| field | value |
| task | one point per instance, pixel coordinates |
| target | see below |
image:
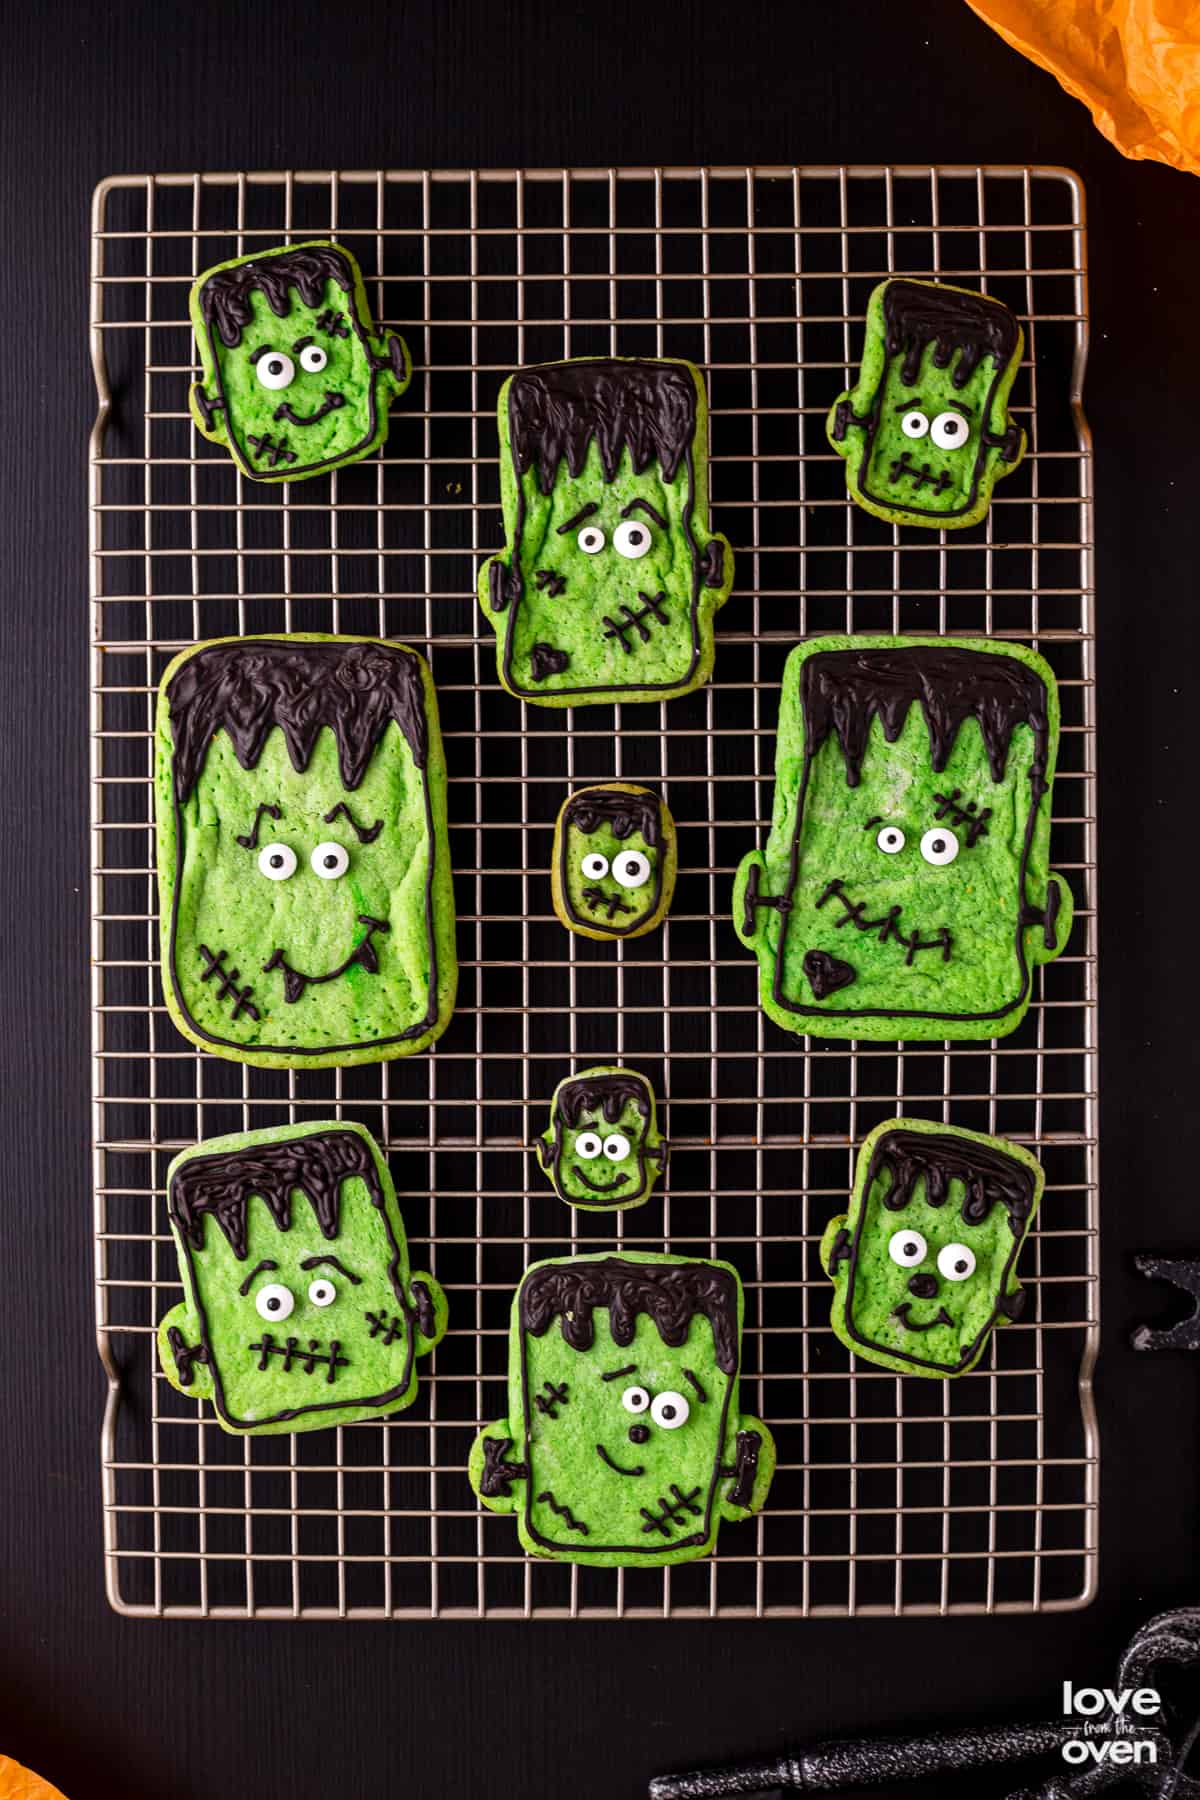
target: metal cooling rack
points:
(892, 1496)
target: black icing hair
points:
(252, 684)
(989, 1175)
(670, 1293)
(625, 813)
(222, 1184)
(917, 313)
(556, 410)
(607, 1093)
(225, 296)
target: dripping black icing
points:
(918, 313)
(624, 813)
(557, 410)
(989, 1175)
(601, 1093)
(225, 296)
(669, 1294)
(221, 1185)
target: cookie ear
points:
(495, 1476)
(660, 1153)
(182, 1354)
(545, 1155)
(831, 1251)
(399, 361)
(747, 907)
(749, 1465)
(715, 560)
(429, 1304)
(208, 413)
(495, 586)
(1057, 917)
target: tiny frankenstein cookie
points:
(612, 870)
(924, 1265)
(926, 430)
(295, 380)
(303, 864)
(624, 1444)
(602, 1148)
(608, 583)
(299, 1306)
(904, 891)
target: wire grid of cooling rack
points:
(892, 1496)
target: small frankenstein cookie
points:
(602, 1148)
(904, 891)
(303, 864)
(612, 870)
(624, 1444)
(926, 430)
(924, 1264)
(295, 380)
(299, 1307)
(608, 584)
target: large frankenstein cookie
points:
(299, 1306)
(904, 891)
(295, 379)
(612, 871)
(624, 1443)
(608, 584)
(926, 431)
(924, 1265)
(303, 865)
(602, 1148)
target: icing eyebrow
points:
(876, 819)
(700, 1393)
(316, 1262)
(629, 1369)
(909, 404)
(961, 406)
(261, 351)
(303, 343)
(366, 833)
(257, 1270)
(651, 512)
(585, 512)
(250, 840)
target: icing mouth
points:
(228, 979)
(602, 1453)
(363, 956)
(904, 469)
(332, 402)
(654, 606)
(599, 901)
(886, 927)
(296, 1357)
(901, 1312)
(601, 1187)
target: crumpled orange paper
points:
(1134, 63)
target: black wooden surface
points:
(106, 1706)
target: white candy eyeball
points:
(277, 862)
(631, 869)
(939, 846)
(313, 358)
(275, 369)
(890, 840)
(914, 424)
(631, 538)
(670, 1411)
(588, 1144)
(322, 1292)
(274, 1301)
(590, 540)
(949, 431)
(616, 1147)
(635, 1399)
(956, 1262)
(594, 865)
(907, 1248)
(330, 861)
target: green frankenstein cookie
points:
(303, 864)
(295, 380)
(624, 1444)
(612, 870)
(926, 430)
(299, 1307)
(602, 1148)
(610, 579)
(924, 1265)
(904, 891)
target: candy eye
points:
(590, 540)
(949, 431)
(907, 1248)
(275, 370)
(594, 865)
(890, 840)
(313, 358)
(588, 1144)
(277, 862)
(635, 1400)
(631, 539)
(670, 1411)
(956, 1262)
(330, 861)
(273, 1301)
(631, 869)
(322, 1292)
(616, 1147)
(939, 846)
(914, 424)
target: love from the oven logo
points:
(1109, 1723)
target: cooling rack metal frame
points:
(892, 1496)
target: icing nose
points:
(639, 1434)
(922, 1287)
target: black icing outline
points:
(660, 853)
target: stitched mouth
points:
(600, 1187)
(888, 926)
(296, 1357)
(901, 1312)
(654, 606)
(599, 901)
(904, 469)
(602, 1453)
(331, 403)
(363, 956)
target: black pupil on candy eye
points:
(275, 367)
(910, 1249)
(960, 1267)
(635, 537)
(277, 862)
(331, 862)
(938, 845)
(668, 1412)
(273, 1303)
